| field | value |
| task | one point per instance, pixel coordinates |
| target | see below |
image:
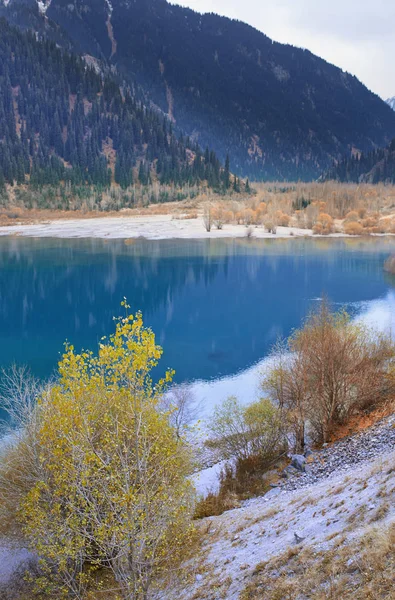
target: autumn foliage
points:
(102, 482)
(327, 370)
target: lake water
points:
(216, 306)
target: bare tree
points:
(208, 217)
(183, 408)
(327, 370)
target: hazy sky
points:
(356, 35)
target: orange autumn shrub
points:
(369, 222)
(239, 217)
(353, 228)
(249, 216)
(324, 225)
(352, 216)
(262, 208)
(362, 212)
(282, 219)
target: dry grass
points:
(249, 479)
(322, 207)
(362, 569)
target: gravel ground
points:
(348, 488)
(344, 454)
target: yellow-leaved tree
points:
(109, 488)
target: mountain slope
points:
(342, 512)
(62, 121)
(373, 167)
(280, 111)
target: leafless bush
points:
(183, 407)
(208, 217)
(327, 370)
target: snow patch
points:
(109, 6)
(391, 102)
(43, 6)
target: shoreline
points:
(151, 227)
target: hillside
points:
(331, 527)
(61, 120)
(279, 111)
(377, 166)
(341, 509)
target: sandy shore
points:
(151, 227)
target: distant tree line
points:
(374, 167)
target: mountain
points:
(391, 102)
(377, 166)
(279, 111)
(61, 120)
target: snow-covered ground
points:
(152, 227)
(11, 559)
(347, 503)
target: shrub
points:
(326, 222)
(220, 216)
(352, 216)
(249, 216)
(335, 367)
(300, 219)
(369, 222)
(239, 217)
(247, 478)
(312, 213)
(318, 229)
(262, 208)
(208, 218)
(102, 477)
(361, 212)
(282, 219)
(270, 226)
(353, 228)
(239, 432)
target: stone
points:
(298, 462)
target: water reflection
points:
(216, 306)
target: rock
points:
(199, 578)
(339, 457)
(308, 453)
(298, 462)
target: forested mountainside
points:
(62, 121)
(279, 111)
(374, 167)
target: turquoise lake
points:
(216, 306)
